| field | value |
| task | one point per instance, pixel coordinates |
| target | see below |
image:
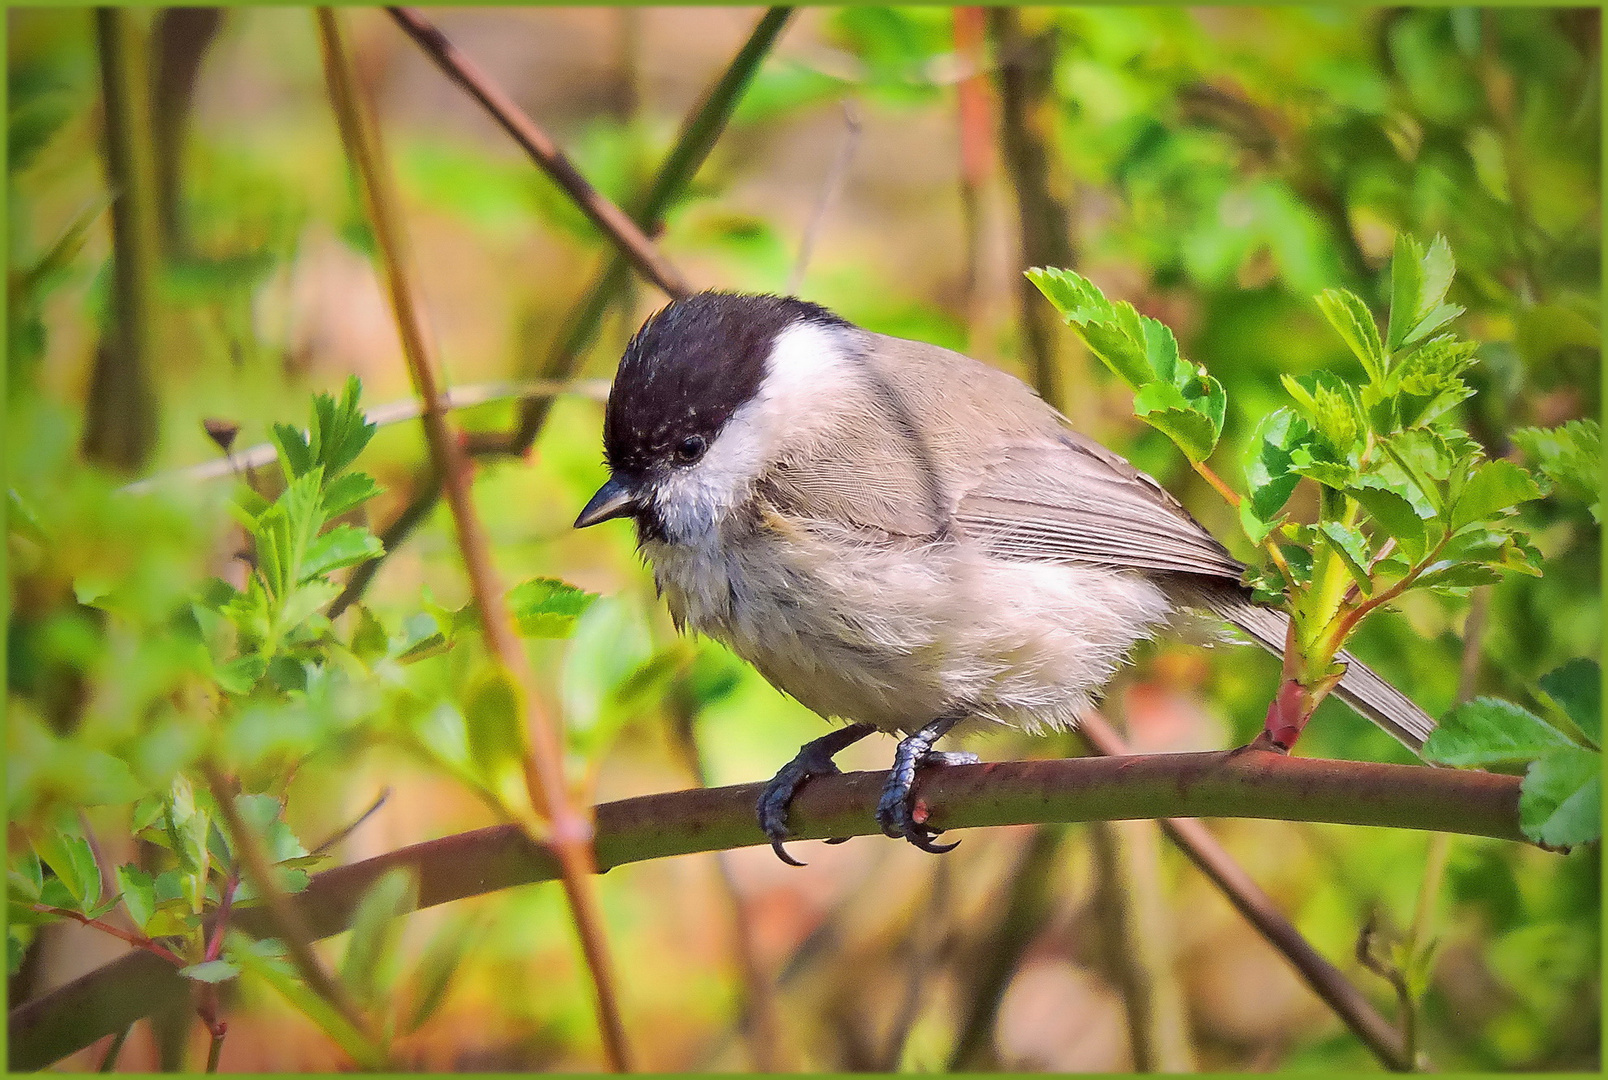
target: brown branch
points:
(1212, 859)
(835, 175)
(649, 261)
(569, 828)
(139, 941)
(1218, 784)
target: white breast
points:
(897, 636)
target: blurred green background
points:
(1218, 167)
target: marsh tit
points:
(900, 537)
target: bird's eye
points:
(690, 449)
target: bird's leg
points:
(814, 758)
(894, 809)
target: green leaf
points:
(1560, 801)
(1394, 515)
(277, 974)
(26, 875)
(432, 978)
(345, 492)
(1571, 457)
(1489, 731)
(1352, 547)
(369, 965)
(344, 545)
(295, 456)
(548, 607)
(139, 893)
(211, 971)
(369, 639)
(70, 857)
(1494, 490)
(496, 738)
(340, 430)
(1268, 473)
(1192, 427)
(1577, 689)
(240, 675)
(1354, 323)
(1418, 284)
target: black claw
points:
(894, 808)
(813, 759)
(838, 839)
(781, 853)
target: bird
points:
(902, 538)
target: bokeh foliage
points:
(1225, 165)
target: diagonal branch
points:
(569, 827)
(1212, 859)
(614, 222)
(1250, 783)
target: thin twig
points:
(348, 830)
(109, 1062)
(649, 261)
(285, 916)
(925, 942)
(569, 829)
(973, 108)
(835, 176)
(139, 941)
(1218, 784)
(392, 412)
(697, 139)
(1212, 859)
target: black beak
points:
(614, 499)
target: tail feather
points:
(1361, 687)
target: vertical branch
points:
(570, 830)
(698, 137)
(972, 107)
(1140, 956)
(835, 176)
(182, 36)
(1257, 908)
(1026, 74)
(761, 1019)
(1025, 911)
(120, 421)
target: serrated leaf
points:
(139, 893)
(1490, 731)
(350, 490)
(1576, 687)
(1352, 547)
(548, 607)
(295, 456)
(342, 546)
(1560, 801)
(1494, 490)
(1394, 515)
(240, 675)
(71, 859)
(1164, 408)
(1571, 457)
(1355, 324)
(1406, 286)
(1268, 474)
(211, 971)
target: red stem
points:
(139, 941)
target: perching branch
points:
(569, 827)
(649, 261)
(1247, 783)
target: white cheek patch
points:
(809, 368)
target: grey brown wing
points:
(1069, 499)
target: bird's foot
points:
(896, 809)
(813, 759)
